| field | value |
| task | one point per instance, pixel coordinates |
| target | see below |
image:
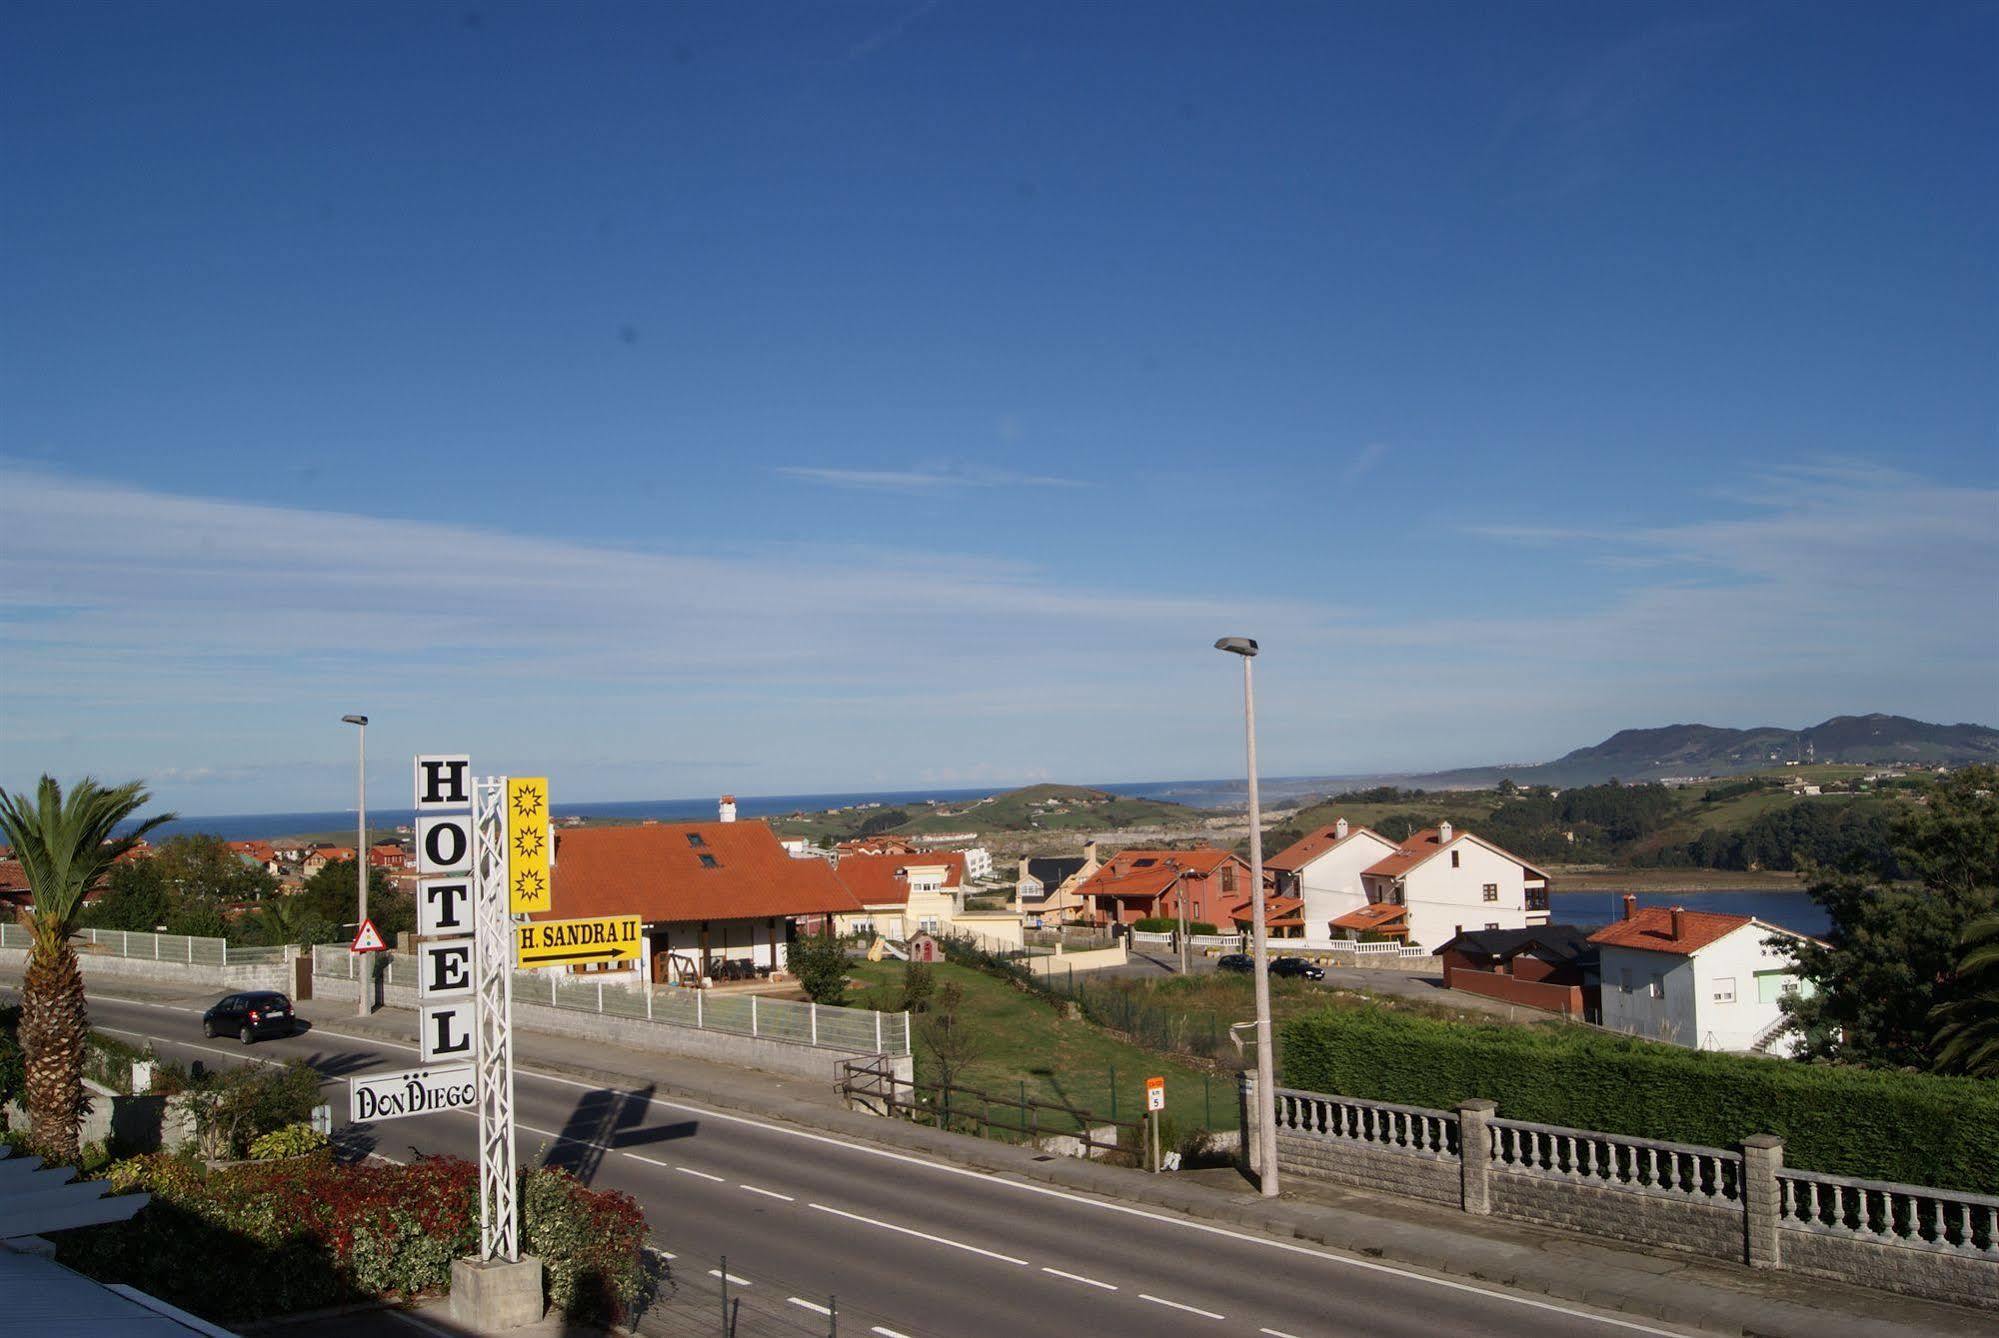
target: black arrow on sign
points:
(575, 956)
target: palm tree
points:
(1968, 1040)
(64, 846)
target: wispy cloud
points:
(1363, 463)
(923, 480)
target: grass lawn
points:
(1029, 1045)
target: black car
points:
(249, 1016)
(1240, 962)
(1296, 968)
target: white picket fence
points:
(191, 949)
(854, 1029)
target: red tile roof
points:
(1651, 928)
(12, 876)
(1425, 843)
(1380, 915)
(1278, 912)
(875, 880)
(1201, 859)
(656, 872)
(1314, 844)
(1147, 883)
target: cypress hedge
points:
(1914, 1128)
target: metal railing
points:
(1383, 1124)
(1889, 1214)
(193, 950)
(760, 1016)
(1001, 1116)
(1619, 1161)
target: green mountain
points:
(1706, 750)
(1053, 808)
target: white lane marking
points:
(986, 1177)
(689, 1170)
(714, 1272)
(211, 1049)
(638, 1156)
(921, 1235)
(1078, 1277)
(1190, 1309)
(813, 1306)
(1277, 1333)
(767, 1193)
(887, 1333)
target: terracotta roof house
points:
(1283, 917)
(709, 892)
(898, 895)
(1323, 870)
(1137, 885)
(1703, 979)
(1450, 881)
(1046, 889)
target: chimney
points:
(1090, 853)
(1630, 907)
(1023, 868)
(1340, 830)
(1443, 833)
(727, 811)
(1679, 923)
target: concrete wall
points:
(754, 1052)
(196, 976)
(1359, 1166)
(1090, 959)
(1912, 1272)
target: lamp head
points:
(354, 719)
(1237, 645)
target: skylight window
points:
(710, 862)
(696, 839)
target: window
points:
(710, 862)
(1228, 878)
(864, 924)
(1658, 987)
(1492, 924)
(1454, 859)
(1492, 894)
(929, 923)
(1724, 989)
(694, 839)
(1624, 981)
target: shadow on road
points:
(606, 1119)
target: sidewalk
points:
(1674, 1288)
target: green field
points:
(1029, 1047)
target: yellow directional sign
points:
(527, 845)
(611, 938)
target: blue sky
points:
(828, 396)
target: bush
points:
(294, 1140)
(918, 983)
(1881, 1125)
(820, 963)
(592, 1243)
(235, 1107)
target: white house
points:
(1323, 870)
(1698, 978)
(1448, 882)
(978, 864)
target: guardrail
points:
(1427, 1133)
(1882, 1213)
(1647, 1165)
(191, 949)
(803, 1023)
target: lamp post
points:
(1266, 1067)
(361, 853)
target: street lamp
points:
(361, 852)
(1266, 1068)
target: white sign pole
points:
(493, 988)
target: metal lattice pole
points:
(493, 979)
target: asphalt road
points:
(908, 1246)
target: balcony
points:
(1537, 898)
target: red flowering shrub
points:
(270, 1238)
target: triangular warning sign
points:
(369, 939)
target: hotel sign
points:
(611, 938)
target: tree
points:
(820, 963)
(286, 920)
(1968, 1039)
(952, 1043)
(331, 897)
(1891, 956)
(918, 981)
(64, 844)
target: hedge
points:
(1166, 924)
(1880, 1125)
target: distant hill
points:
(1706, 750)
(1053, 808)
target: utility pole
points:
(361, 857)
(1266, 1066)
